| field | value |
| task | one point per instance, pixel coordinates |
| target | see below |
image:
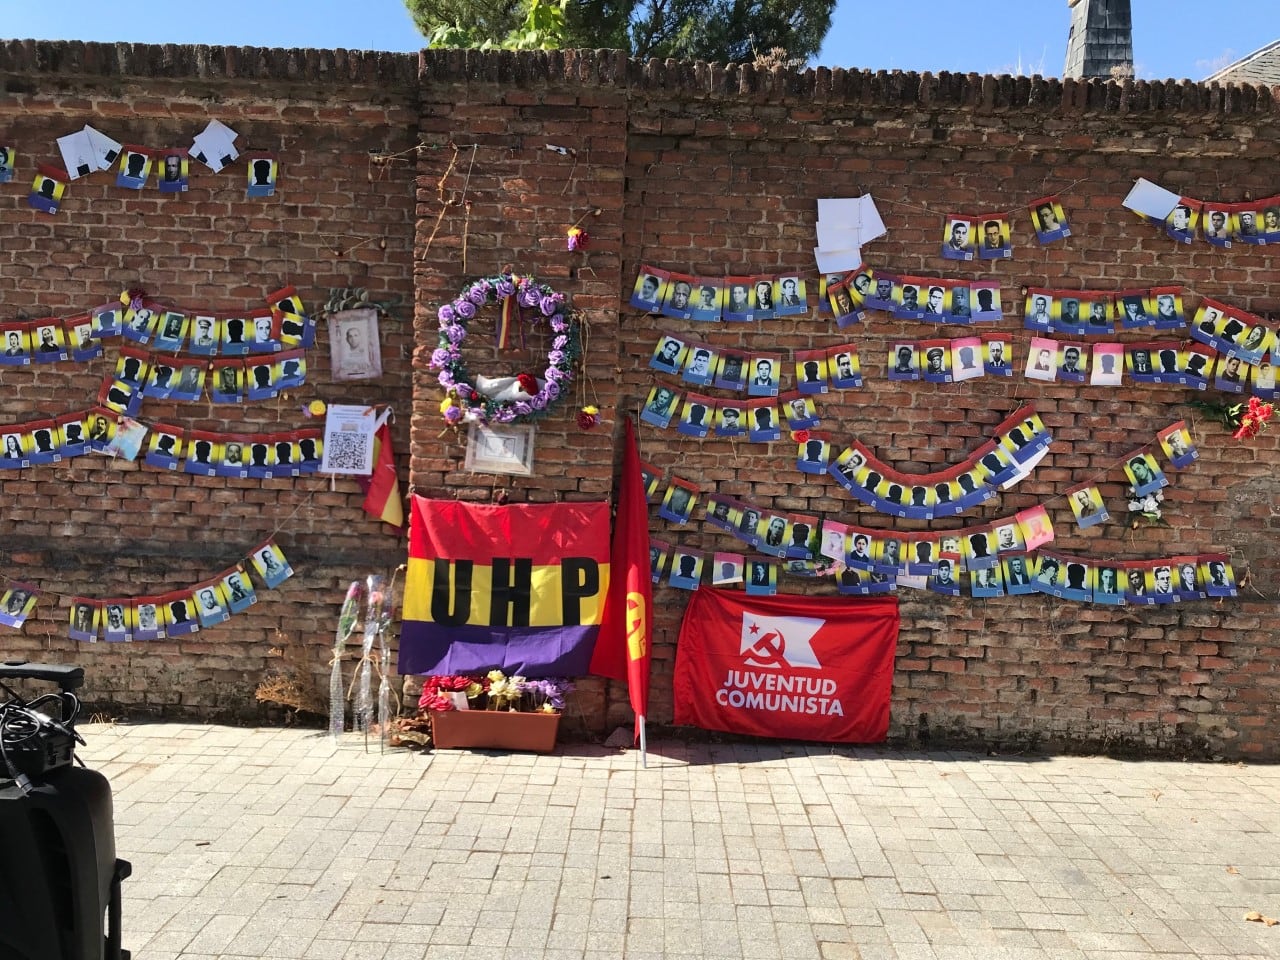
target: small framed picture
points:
(354, 344)
(504, 449)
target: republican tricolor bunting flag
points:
(792, 667)
(518, 588)
(622, 650)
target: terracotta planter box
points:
(495, 730)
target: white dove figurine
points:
(502, 388)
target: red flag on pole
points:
(622, 650)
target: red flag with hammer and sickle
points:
(626, 630)
(793, 667)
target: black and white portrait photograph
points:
(679, 299)
(957, 239)
(993, 239)
(355, 352)
(903, 362)
(1048, 219)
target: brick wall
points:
(100, 527)
(707, 170)
(720, 170)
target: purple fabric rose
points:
(558, 324)
(529, 296)
(555, 357)
(538, 401)
(439, 357)
(552, 390)
(466, 309)
(446, 379)
(464, 389)
(548, 305)
(477, 295)
(446, 315)
(455, 333)
(523, 409)
(560, 342)
(505, 415)
(453, 415)
(506, 288)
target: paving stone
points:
(284, 845)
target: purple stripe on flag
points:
(427, 648)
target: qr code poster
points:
(348, 440)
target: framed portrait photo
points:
(354, 344)
(505, 449)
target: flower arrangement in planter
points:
(494, 691)
(494, 711)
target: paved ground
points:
(279, 844)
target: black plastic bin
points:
(59, 875)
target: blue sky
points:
(1172, 38)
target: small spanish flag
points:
(382, 487)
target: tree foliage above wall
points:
(712, 30)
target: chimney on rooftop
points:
(1100, 43)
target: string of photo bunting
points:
(282, 325)
(175, 613)
(955, 301)
(1183, 218)
(89, 150)
(956, 360)
(200, 452)
(1018, 445)
(999, 556)
(1021, 441)
(1219, 223)
(1235, 357)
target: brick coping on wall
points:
(175, 60)
(613, 68)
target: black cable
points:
(17, 712)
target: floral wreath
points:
(528, 397)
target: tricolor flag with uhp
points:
(518, 588)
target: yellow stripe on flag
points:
(571, 592)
